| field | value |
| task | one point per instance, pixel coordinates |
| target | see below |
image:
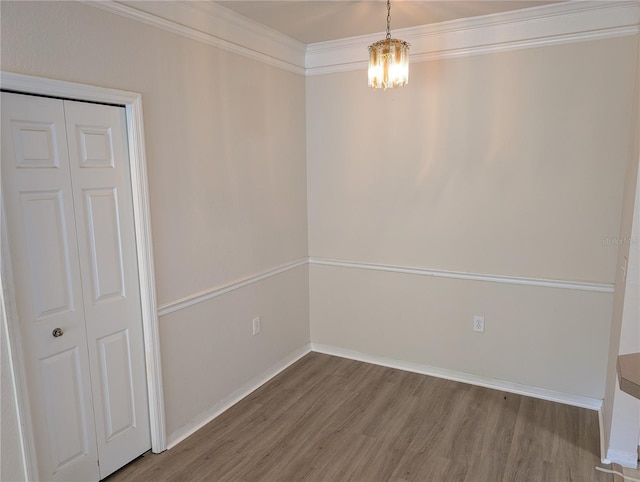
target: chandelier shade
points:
(388, 60)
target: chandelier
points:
(388, 60)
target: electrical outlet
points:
(256, 325)
(478, 323)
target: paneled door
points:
(66, 193)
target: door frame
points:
(132, 102)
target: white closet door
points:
(68, 202)
(98, 153)
(37, 197)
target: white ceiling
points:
(311, 21)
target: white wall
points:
(622, 411)
(508, 163)
(225, 139)
(11, 465)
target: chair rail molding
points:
(214, 292)
(517, 280)
(211, 293)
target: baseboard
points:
(603, 443)
(626, 459)
(206, 417)
(496, 384)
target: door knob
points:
(57, 332)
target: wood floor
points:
(630, 474)
(332, 419)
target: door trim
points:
(139, 186)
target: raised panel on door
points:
(35, 144)
(105, 244)
(65, 408)
(47, 250)
(106, 241)
(117, 384)
(38, 204)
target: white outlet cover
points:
(256, 325)
(478, 323)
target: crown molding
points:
(532, 27)
(214, 25)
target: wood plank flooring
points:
(331, 419)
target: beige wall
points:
(510, 164)
(211, 352)
(541, 337)
(225, 140)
